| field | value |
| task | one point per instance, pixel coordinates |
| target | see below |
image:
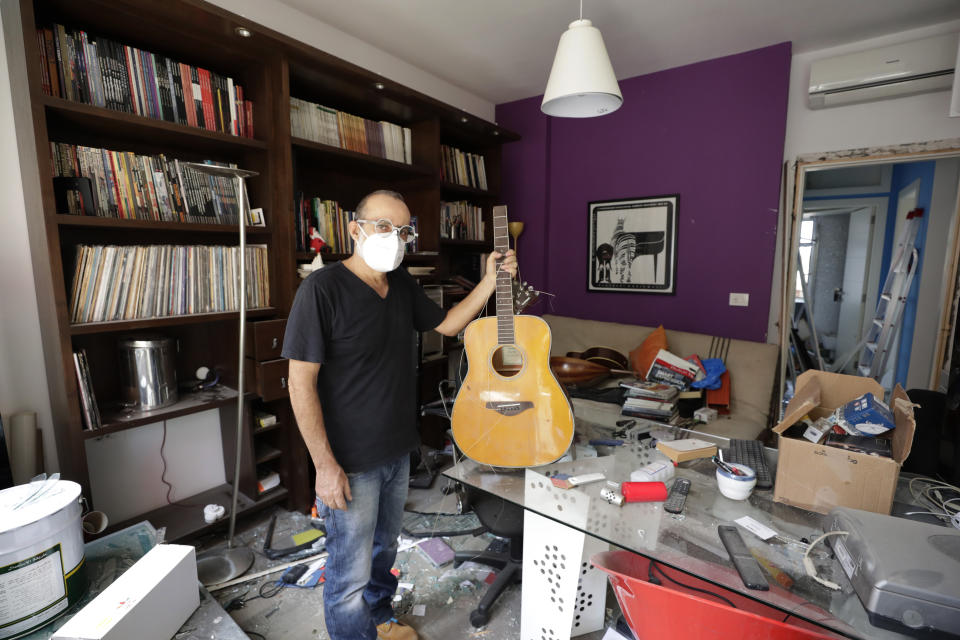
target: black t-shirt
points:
(366, 346)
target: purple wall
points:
(712, 132)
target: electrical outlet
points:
(739, 299)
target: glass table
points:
(687, 542)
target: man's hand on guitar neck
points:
(509, 264)
(332, 486)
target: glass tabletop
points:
(688, 541)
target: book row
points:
(325, 220)
(462, 167)
(101, 72)
(126, 185)
(461, 221)
(131, 282)
(340, 129)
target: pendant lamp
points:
(581, 83)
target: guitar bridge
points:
(510, 408)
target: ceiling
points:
(502, 50)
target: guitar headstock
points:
(524, 295)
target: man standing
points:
(351, 342)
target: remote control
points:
(678, 496)
(746, 565)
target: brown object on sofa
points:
(643, 356)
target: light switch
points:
(739, 299)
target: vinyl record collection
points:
(113, 283)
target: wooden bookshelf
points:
(271, 67)
(71, 221)
(165, 321)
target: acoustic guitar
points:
(510, 410)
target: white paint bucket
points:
(42, 572)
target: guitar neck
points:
(501, 242)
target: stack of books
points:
(650, 390)
(462, 167)
(329, 219)
(344, 130)
(653, 400)
(94, 70)
(651, 409)
(461, 221)
(131, 186)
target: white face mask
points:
(382, 252)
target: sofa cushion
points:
(643, 356)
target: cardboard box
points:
(150, 601)
(818, 477)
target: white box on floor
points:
(150, 601)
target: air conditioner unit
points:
(903, 69)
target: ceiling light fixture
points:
(581, 83)
(463, 119)
(243, 32)
(378, 86)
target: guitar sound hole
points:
(507, 360)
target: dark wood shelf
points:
(66, 220)
(266, 453)
(266, 498)
(119, 124)
(258, 430)
(484, 245)
(419, 257)
(451, 189)
(344, 159)
(165, 321)
(122, 419)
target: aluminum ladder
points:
(886, 321)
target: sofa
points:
(752, 367)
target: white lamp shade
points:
(581, 84)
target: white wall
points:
(23, 380)
(298, 25)
(919, 118)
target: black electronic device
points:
(750, 453)
(677, 496)
(746, 565)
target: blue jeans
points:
(362, 542)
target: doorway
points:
(849, 210)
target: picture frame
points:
(632, 245)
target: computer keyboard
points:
(750, 453)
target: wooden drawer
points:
(265, 339)
(268, 379)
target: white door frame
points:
(793, 215)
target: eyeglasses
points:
(406, 232)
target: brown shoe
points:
(395, 630)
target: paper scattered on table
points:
(761, 530)
(419, 610)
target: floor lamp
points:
(226, 564)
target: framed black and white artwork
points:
(633, 245)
